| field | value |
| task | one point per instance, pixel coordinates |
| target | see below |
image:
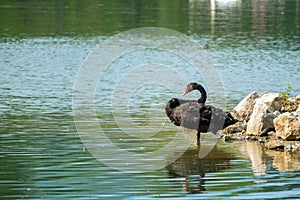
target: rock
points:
(274, 144)
(290, 104)
(298, 102)
(261, 119)
(236, 128)
(287, 126)
(272, 134)
(277, 113)
(244, 109)
(228, 138)
(296, 114)
(273, 100)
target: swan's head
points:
(190, 87)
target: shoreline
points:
(270, 142)
(272, 119)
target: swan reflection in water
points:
(193, 169)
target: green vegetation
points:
(285, 94)
(291, 103)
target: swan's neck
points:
(203, 97)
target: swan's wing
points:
(191, 116)
(202, 117)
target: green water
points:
(254, 45)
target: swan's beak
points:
(185, 91)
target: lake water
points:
(254, 45)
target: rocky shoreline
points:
(271, 119)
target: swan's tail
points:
(229, 120)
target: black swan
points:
(194, 114)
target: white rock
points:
(261, 119)
(273, 100)
(287, 126)
(277, 113)
(244, 109)
(298, 110)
